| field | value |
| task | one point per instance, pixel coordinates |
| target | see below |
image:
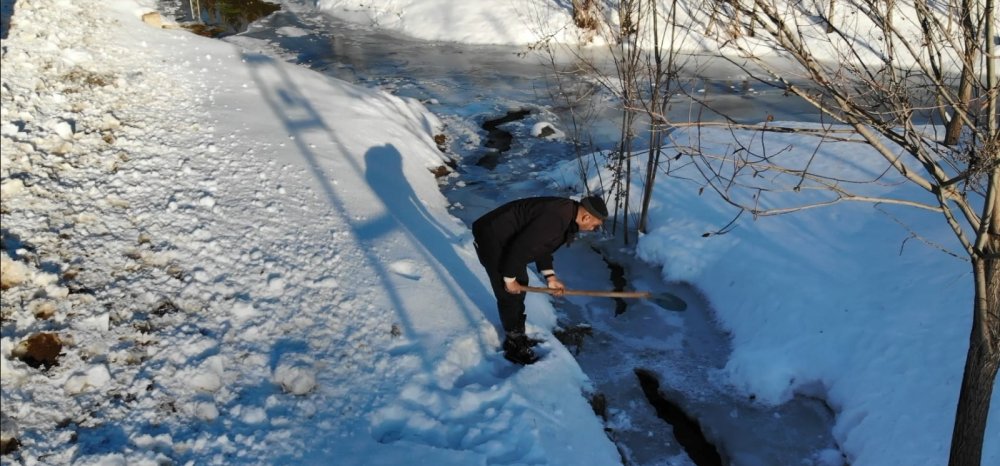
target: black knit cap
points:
(595, 205)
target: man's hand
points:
(513, 287)
(557, 285)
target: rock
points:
(8, 445)
(153, 19)
(8, 435)
(544, 129)
(442, 142)
(40, 349)
(440, 171)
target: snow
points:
(508, 22)
(264, 267)
(847, 309)
(250, 262)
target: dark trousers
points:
(510, 306)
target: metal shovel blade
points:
(668, 301)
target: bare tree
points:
(625, 47)
(574, 98)
(895, 104)
(641, 73)
(963, 97)
(662, 74)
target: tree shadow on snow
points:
(404, 212)
(384, 173)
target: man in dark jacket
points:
(515, 234)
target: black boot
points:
(517, 349)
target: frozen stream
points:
(469, 85)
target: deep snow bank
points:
(837, 302)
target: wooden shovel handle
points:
(606, 294)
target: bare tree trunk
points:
(983, 358)
(954, 128)
(661, 80)
(981, 366)
(195, 6)
(628, 191)
(829, 18)
(631, 14)
(989, 13)
(653, 157)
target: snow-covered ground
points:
(249, 262)
(246, 262)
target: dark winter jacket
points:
(526, 230)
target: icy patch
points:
(291, 31)
(406, 268)
(92, 379)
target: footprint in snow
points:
(470, 403)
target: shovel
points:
(667, 301)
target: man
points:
(515, 234)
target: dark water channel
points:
(644, 361)
(6, 11)
(217, 18)
(498, 138)
(687, 430)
